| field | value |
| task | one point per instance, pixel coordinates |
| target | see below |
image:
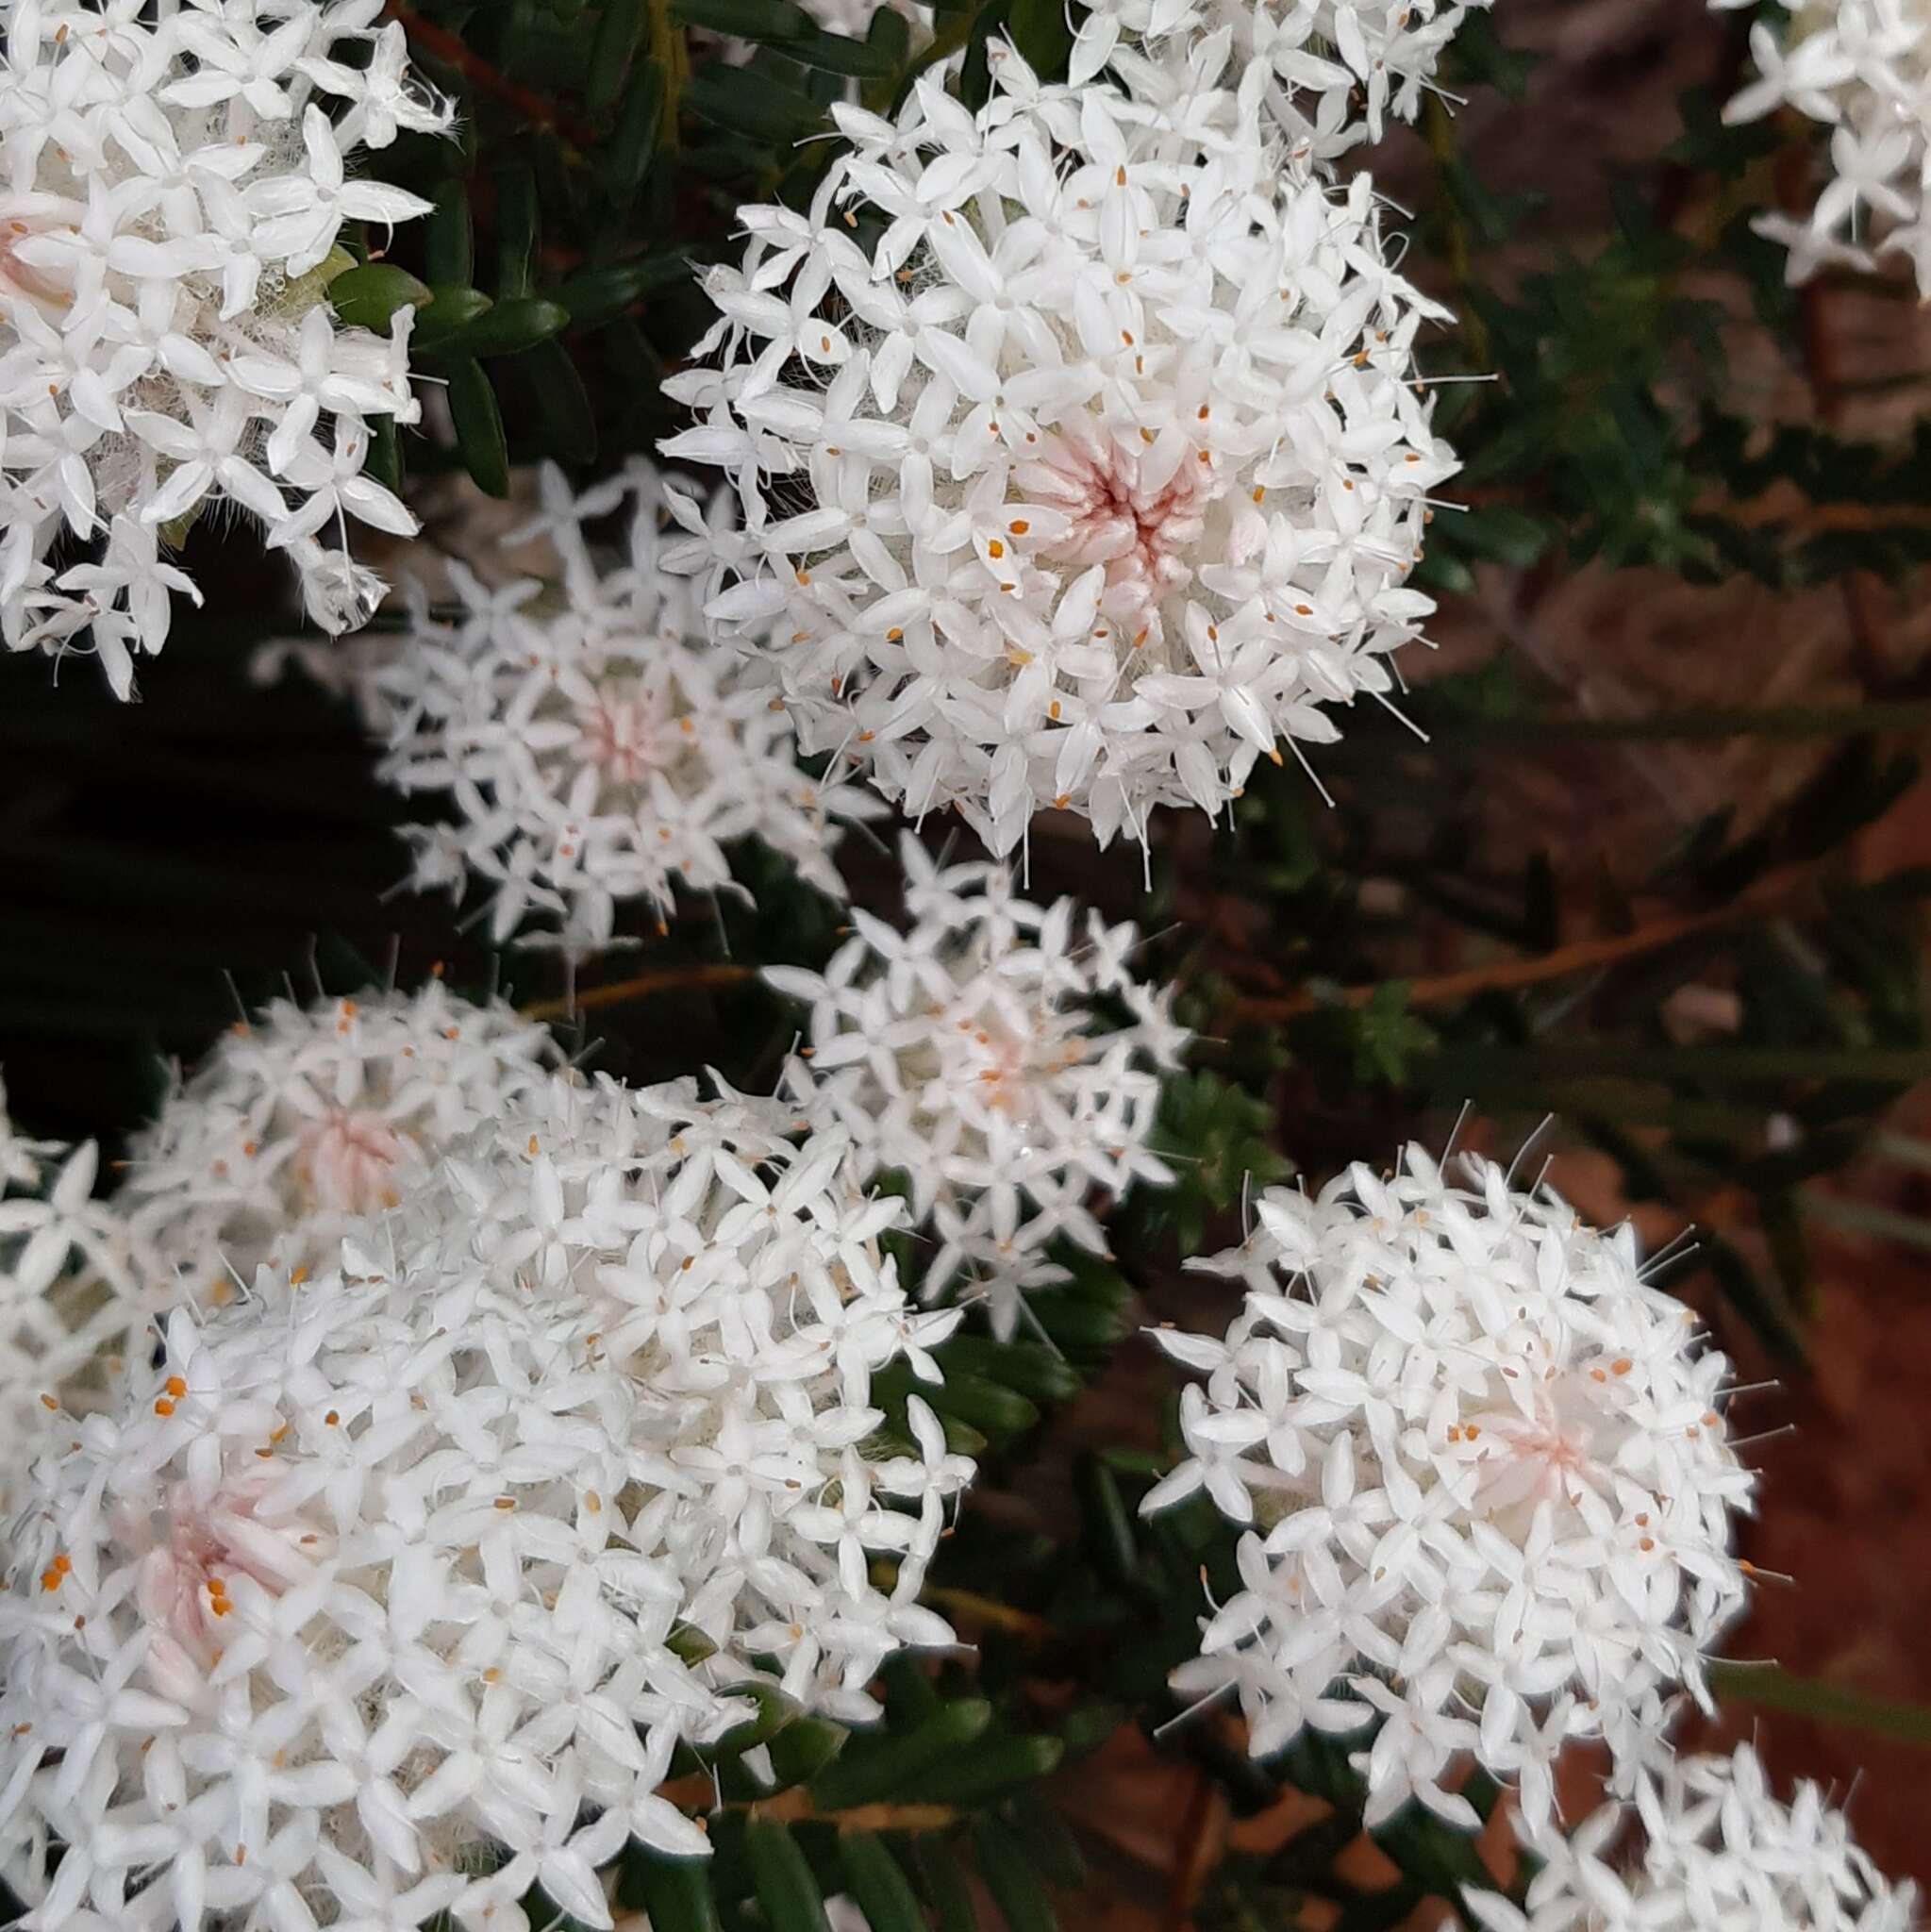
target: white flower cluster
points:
(1080, 447)
(1718, 1850)
(596, 748)
(170, 194)
(1863, 69)
(305, 1119)
(965, 1054)
(68, 1287)
(400, 1584)
(1339, 70)
(1490, 1485)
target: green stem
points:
(1903, 1149)
(1439, 130)
(1861, 1217)
(1772, 1687)
(669, 49)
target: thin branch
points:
(1508, 975)
(1772, 1687)
(621, 992)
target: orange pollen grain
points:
(162, 1406)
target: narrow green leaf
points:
(782, 1878)
(516, 232)
(1029, 1367)
(479, 428)
(448, 244)
(746, 20)
(982, 1772)
(778, 116)
(890, 32)
(673, 1893)
(875, 1879)
(570, 424)
(839, 53)
(620, 26)
(997, 1411)
(594, 295)
(873, 1768)
(1108, 1523)
(367, 298)
(1010, 1879)
(945, 1885)
(638, 128)
(805, 1747)
(507, 328)
(451, 308)
(910, 1696)
(1080, 1324)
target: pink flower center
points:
(1143, 533)
(190, 1563)
(624, 732)
(347, 1161)
(1564, 1446)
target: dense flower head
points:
(1485, 1477)
(1080, 446)
(596, 748)
(305, 1118)
(390, 1591)
(68, 1286)
(1717, 1849)
(1863, 69)
(1338, 70)
(965, 1052)
(172, 191)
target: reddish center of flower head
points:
(1144, 532)
(190, 1565)
(1562, 1445)
(348, 1161)
(624, 730)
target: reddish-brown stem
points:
(619, 991)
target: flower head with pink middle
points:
(1079, 444)
(306, 1118)
(970, 1053)
(594, 750)
(401, 1581)
(1483, 1475)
